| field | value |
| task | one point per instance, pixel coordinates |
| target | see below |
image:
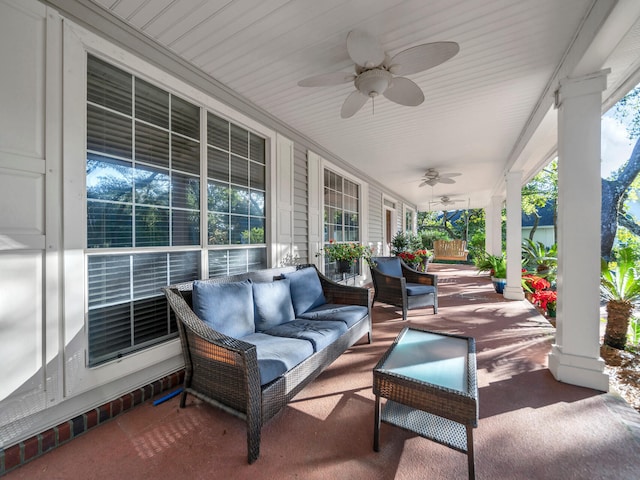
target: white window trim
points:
(413, 227)
(163, 358)
(386, 247)
(363, 212)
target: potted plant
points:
(533, 283)
(497, 268)
(346, 254)
(416, 259)
(546, 300)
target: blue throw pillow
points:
(225, 307)
(306, 290)
(272, 301)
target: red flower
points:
(545, 297)
(536, 283)
(407, 256)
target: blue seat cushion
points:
(272, 302)
(277, 355)
(349, 314)
(319, 332)
(389, 266)
(419, 289)
(225, 307)
(306, 290)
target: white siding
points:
(376, 236)
(23, 163)
(300, 214)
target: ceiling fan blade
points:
(364, 49)
(405, 92)
(352, 104)
(446, 180)
(422, 57)
(450, 175)
(429, 181)
(327, 79)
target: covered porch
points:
(83, 256)
(531, 426)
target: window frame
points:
(406, 209)
(166, 356)
(363, 208)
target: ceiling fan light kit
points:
(373, 82)
(375, 71)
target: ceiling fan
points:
(445, 200)
(375, 71)
(432, 177)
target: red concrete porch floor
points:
(531, 426)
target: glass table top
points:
(430, 357)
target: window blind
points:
(143, 191)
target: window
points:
(341, 216)
(409, 217)
(144, 206)
(236, 192)
(143, 163)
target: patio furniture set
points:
(252, 341)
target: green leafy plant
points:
(633, 335)
(348, 252)
(544, 260)
(405, 242)
(496, 266)
(620, 288)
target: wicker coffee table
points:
(429, 381)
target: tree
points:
(617, 189)
(467, 224)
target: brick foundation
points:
(14, 456)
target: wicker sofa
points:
(251, 356)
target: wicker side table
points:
(430, 382)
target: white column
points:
(513, 290)
(575, 357)
(493, 226)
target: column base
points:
(513, 293)
(577, 370)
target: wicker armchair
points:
(398, 284)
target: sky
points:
(616, 147)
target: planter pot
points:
(551, 311)
(344, 266)
(499, 284)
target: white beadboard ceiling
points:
(482, 107)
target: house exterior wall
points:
(43, 303)
(544, 234)
(376, 236)
(300, 209)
